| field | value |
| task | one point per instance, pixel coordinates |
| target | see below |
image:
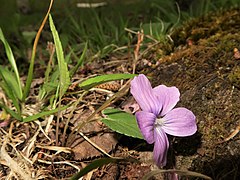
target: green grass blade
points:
(89, 83)
(44, 113)
(80, 61)
(99, 163)
(180, 172)
(11, 96)
(122, 122)
(8, 87)
(11, 112)
(50, 81)
(62, 65)
(11, 81)
(12, 61)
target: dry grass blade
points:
(15, 167)
(55, 148)
(60, 162)
(30, 147)
(147, 36)
(95, 145)
(49, 120)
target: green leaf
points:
(122, 122)
(13, 64)
(47, 89)
(62, 65)
(89, 83)
(99, 163)
(44, 113)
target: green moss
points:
(234, 76)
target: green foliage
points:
(12, 86)
(122, 122)
(80, 61)
(156, 30)
(199, 8)
(11, 83)
(17, 86)
(98, 30)
(103, 28)
(91, 82)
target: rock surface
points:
(204, 65)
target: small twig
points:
(139, 41)
(102, 90)
(136, 51)
(91, 5)
(233, 134)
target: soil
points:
(201, 59)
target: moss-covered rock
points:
(208, 76)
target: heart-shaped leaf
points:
(122, 122)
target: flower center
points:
(159, 122)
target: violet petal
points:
(180, 122)
(143, 93)
(160, 147)
(146, 122)
(169, 96)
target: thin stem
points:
(71, 114)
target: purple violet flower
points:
(159, 117)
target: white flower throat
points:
(159, 122)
